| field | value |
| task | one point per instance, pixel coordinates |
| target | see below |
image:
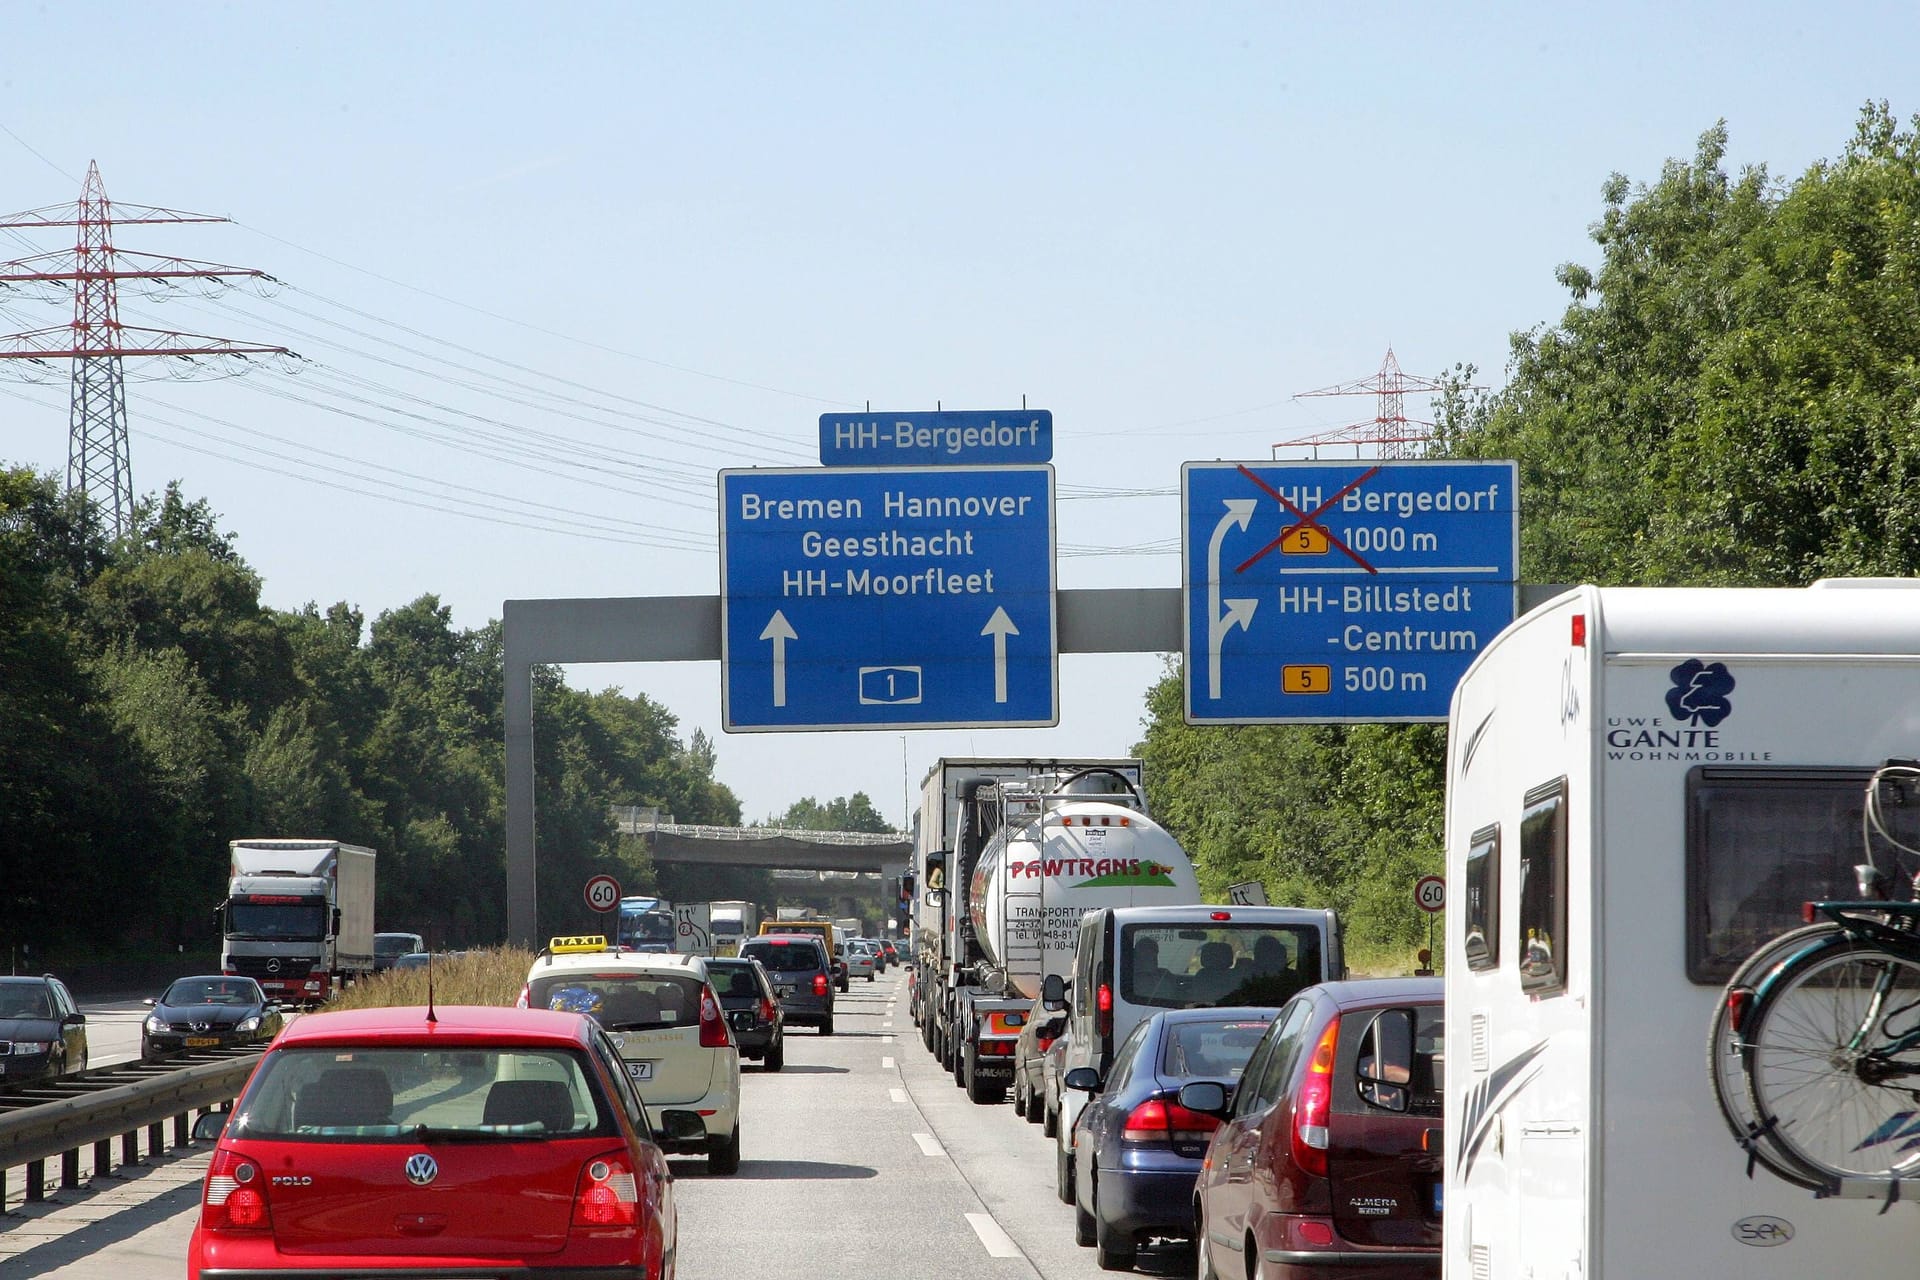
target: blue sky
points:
(694, 228)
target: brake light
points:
(236, 1194)
(607, 1194)
(713, 1024)
(1045, 1042)
(819, 984)
(1579, 631)
(1808, 913)
(1219, 915)
(1157, 1120)
(1103, 1008)
(766, 1009)
(1312, 1110)
(997, 1048)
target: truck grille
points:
(282, 966)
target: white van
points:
(1131, 962)
(1643, 785)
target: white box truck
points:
(1643, 786)
(298, 917)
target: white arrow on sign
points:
(779, 630)
(999, 626)
(1239, 612)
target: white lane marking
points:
(999, 1244)
(929, 1145)
(887, 1023)
(886, 1039)
(898, 1095)
(886, 1064)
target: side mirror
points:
(1053, 993)
(336, 920)
(150, 1002)
(1085, 1079)
(1208, 1097)
(682, 1126)
(210, 1126)
(936, 876)
(74, 1020)
(1385, 1065)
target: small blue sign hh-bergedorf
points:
(1346, 591)
(961, 438)
(883, 597)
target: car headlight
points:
(246, 1025)
(154, 1026)
(33, 1046)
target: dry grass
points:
(491, 976)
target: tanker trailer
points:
(1056, 847)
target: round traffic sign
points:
(1430, 893)
(603, 893)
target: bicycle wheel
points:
(1727, 1059)
(1831, 1082)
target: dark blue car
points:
(1142, 1147)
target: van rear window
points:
(1761, 841)
(1171, 966)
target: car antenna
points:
(430, 1014)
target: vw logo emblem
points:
(273, 965)
(421, 1169)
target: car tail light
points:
(766, 1009)
(713, 1023)
(1159, 1121)
(236, 1195)
(1044, 1042)
(997, 1048)
(1312, 1110)
(819, 984)
(607, 1195)
(1103, 1008)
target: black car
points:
(753, 1011)
(802, 974)
(1140, 1146)
(42, 1032)
(211, 1011)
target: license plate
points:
(640, 1070)
(783, 992)
(203, 1042)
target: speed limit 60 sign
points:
(603, 893)
(1430, 893)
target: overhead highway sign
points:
(875, 598)
(1353, 591)
(958, 438)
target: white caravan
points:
(1643, 785)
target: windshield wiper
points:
(426, 1133)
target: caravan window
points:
(1482, 905)
(1543, 890)
(1761, 841)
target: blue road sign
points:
(885, 597)
(958, 439)
(1349, 591)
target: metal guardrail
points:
(104, 1106)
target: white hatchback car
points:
(861, 960)
(672, 1032)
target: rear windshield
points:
(622, 1001)
(1210, 1050)
(735, 979)
(1183, 967)
(413, 1095)
(784, 957)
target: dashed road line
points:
(929, 1144)
(898, 1095)
(998, 1243)
(886, 1064)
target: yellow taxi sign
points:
(577, 942)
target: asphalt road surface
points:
(860, 1159)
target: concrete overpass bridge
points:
(774, 848)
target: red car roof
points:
(404, 1024)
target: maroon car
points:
(1327, 1159)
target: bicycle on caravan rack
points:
(1814, 1052)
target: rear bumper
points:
(1373, 1264)
(1159, 1201)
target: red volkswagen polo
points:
(470, 1141)
(1327, 1160)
